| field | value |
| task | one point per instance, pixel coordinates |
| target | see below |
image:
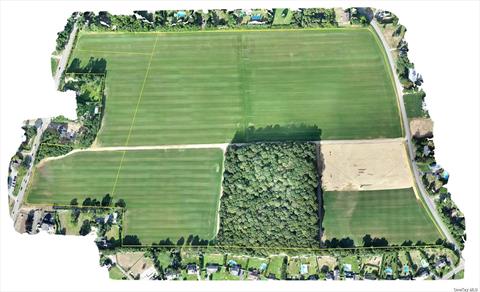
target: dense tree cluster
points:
(270, 196)
(30, 132)
(52, 145)
(90, 98)
(64, 35)
(314, 17)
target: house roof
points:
(235, 268)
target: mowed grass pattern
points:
(204, 87)
(169, 193)
(394, 214)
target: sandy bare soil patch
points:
(421, 127)
(20, 222)
(388, 33)
(341, 17)
(365, 165)
(128, 259)
(328, 261)
(375, 260)
(142, 265)
(73, 127)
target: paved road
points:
(64, 56)
(411, 150)
(26, 178)
(460, 267)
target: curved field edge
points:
(169, 193)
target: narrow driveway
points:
(26, 178)
(411, 150)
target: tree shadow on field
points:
(131, 240)
(278, 133)
(368, 241)
(94, 65)
(346, 242)
(192, 240)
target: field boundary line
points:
(135, 113)
(33, 205)
(86, 73)
(226, 30)
(285, 248)
(54, 144)
(113, 52)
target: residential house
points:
(192, 269)
(171, 275)
(336, 274)
(442, 262)
(236, 270)
(253, 275)
(212, 268)
(370, 276)
(149, 274)
(422, 273)
(47, 228)
(271, 276)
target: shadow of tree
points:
(346, 242)
(368, 241)
(94, 65)
(131, 240)
(278, 133)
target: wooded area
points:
(270, 196)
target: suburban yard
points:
(394, 214)
(169, 193)
(208, 87)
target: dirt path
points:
(222, 146)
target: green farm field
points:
(208, 87)
(169, 193)
(394, 214)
